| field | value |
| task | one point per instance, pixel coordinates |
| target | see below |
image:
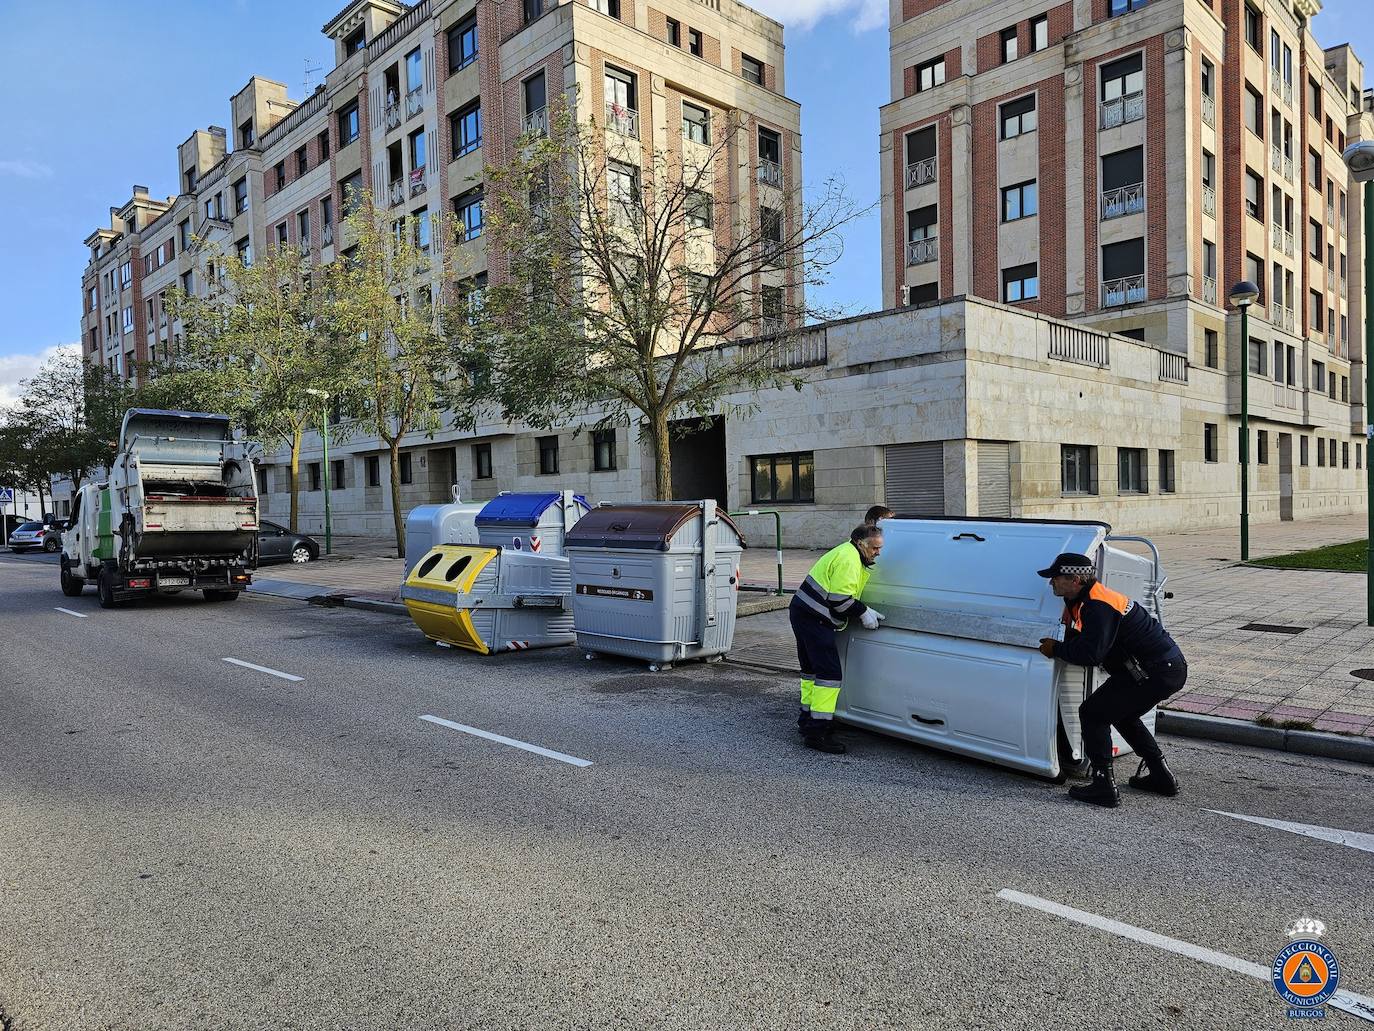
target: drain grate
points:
(1273, 628)
(1363, 674)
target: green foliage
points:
(1351, 558)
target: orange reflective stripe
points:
(1116, 600)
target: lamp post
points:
(1359, 158)
(324, 429)
(1243, 295)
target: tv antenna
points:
(310, 70)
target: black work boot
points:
(1159, 781)
(821, 737)
(804, 721)
(1101, 790)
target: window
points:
(1359, 455)
(783, 478)
(694, 46)
(247, 137)
(674, 32)
(696, 123)
(1124, 260)
(1302, 450)
(184, 233)
(241, 196)
(314, 470)
(698, 286)
(326, 212)
(610, 7)
(1209, 78)
(1123, 78)
(373, 465)
(406, 469)
(751, 68)
(281, 234)
(1167, 484)
(1345, 389)
(548, 455)
(536, 96)
(322, 141)
(1314, 239)
(188, 282)
(1258, 356)
(1076, 469)
(1020, 283)
(303, 226)
(348, 124)
(1209, 260)
(1254, 111)
(1009, 44)
(1125, 6)
(1254, 195)
(245, 254)
(1275, 52)
(770, 146)
(930, 74)
(699, 209)
(337, 480)
(1314, 169)
(1020, 201)
(1254, 29)
(770, 232)
(126, 274)
(1018, 117)
(462, 43)
(1210, 357)
(1331, 387)
(1131, 465)
(1209, 442)
(302, 161)
(1039, 33)
(481, 461)
(533, 9)
(1254, 271)
(1345, 454)
(770, 307)
(1262, 447)
(468, 208)
(423, 228)
(417, 150)
(623, 184)
(1332, 456)
(279, 174)
(603, 450)
(128, 319)
(355, 42)
(465, 127)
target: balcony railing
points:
(622, 120)
(1289, 319)
(922, 252)
(795, 352)
(1209, 201)
(415, 101)
(417, 181)
(1081, 346)
(392, 115)
(1331, 340)
(1126, 200)
(1276, 159)
(1276, 231)
(327, 236)
(537, 122)
(1276, 84)
(1288, 167)
(1285, 396)
(1173, 368)
(1209, 289)
(770, 325)
(1126, 290)
(1331, 215)
(920, 173)
(1130, 108)
(396, 192)
(1288, 92)
(770, 172)
(1209, 110)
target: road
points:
(190, 843)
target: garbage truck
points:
(178, 512)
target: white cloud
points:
(803, 14)
(25, 169)
(17, 367)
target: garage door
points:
(916, 478)
(994, 479)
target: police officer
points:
(1107, 629)
(823, 605)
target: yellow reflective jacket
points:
(833, 586)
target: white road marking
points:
(1350, 1002)
(78, 615)
(263, 669)
(571, 760)
(1352, 839)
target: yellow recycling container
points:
(435, 586)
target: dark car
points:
(278, 544)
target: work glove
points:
(871, 618)
(1047, 647)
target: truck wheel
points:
(221, 595)
(72, 586)
(105, 589)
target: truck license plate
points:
(174, 581)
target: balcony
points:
(770, 325)
(396, 193)
(392, 116)
(770, 172)
(1126, 290)
(1289, 247)
(537, 122)
(327, 236)
(1209, 110)
(922, 252)
(304, 246)
(1285, 397)
(1080, 346)
(1173, 368)
(415, 101)
(1276, 231)
(417, 181)
(1276, 159)
(622, 120)
(920, 173)
(1126, 200)
(1209, 289)
(1275, 83)
(1288, 92)
(1209, 201)
(1130, 108)
(1288, 167)
(1288, 319)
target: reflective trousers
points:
(819, 659)
(1119, 703)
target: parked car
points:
(35, 534)
(278, 544)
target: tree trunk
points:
(663, 455)
(296, 436)
(397, 518)
(42, 504)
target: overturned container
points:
(956, 663)
(488, 599)
(655, 581)
(536, 523)
(428, 526)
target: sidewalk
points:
(1302, 675)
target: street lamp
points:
(1243, 294)
(324, 429)
(1359, 158)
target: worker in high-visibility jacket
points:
(1105, 628)
(823, 605)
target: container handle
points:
(962, 536)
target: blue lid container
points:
(522, 509)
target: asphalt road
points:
(190, 844)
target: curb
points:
(1239, 732)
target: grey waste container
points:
(536, 523)
(428, 526)
(655, 581)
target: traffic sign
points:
(6, 495)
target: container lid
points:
(641, 527)
(521, 509)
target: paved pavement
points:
(192, 844)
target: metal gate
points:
(994, 479)
(916, 478)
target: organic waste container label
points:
(629, 593)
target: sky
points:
(107, 108)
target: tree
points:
(389, 292)
(254, 345)
(626, 290)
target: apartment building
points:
(1124, 163)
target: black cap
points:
(1069, 564)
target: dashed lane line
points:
(70, 612)
(571, 760)
(1351, 839)
(263, 669)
